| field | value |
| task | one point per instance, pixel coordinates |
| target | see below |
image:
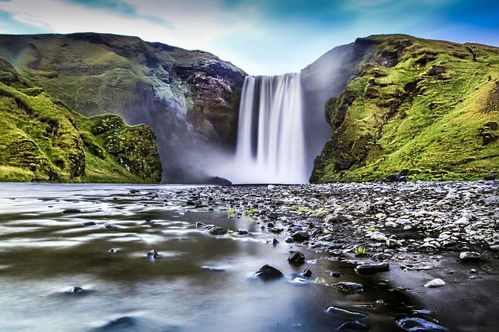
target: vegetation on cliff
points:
(41, 139)
(192, 93)
(429, 109)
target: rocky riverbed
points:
(439, 241)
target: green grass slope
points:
(427, 108)
(42, 140)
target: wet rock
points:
(296, 258)
(416, 324)
(69, 211)
(391, 243)
(77, 290)
(372, 268)
(335, 218)
(307, 273)
(275, 242)
(242, 232)
(300, 236)
(345, 314)
(114, 250)
(437, 282)
(289, 240)
(118, 324)
(268, 272)
(153, 254)
(469, 256)
(89, 223)
(276, 230)
(217, 231)
(354, 325)
(349, 287)
(200, 224)
(335, 274)
(110, 226)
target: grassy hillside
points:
(42, 140)
(189, 98)
(427, 108)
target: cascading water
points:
(271, 140)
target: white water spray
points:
(271, 140)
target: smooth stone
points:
(76, 290)
(200, 224)
(118, 324)
(217, 231)
(467, 256)
(437, 282)
(372, 268)
(114, 250)
(307, 273)
(242, 232)
(415, 324)
(66, 211)
(350, 287)
(300, 236)
(345, 314)
(296, 257)
(268, 272)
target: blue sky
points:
(259, 36)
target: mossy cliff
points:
(429, 109)
(41, 139)
(189, 98)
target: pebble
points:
(437, 282)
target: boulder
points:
(372, 268)
(296, 258)
(268, 272)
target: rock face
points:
(42, 139)
(189, 98)
(427, 109)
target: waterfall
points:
(271, 140)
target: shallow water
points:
(200, 283)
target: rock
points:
(395, 177)
(114, 250)
(217, 231)
(200, 224)
(335, 274)
(345, 314)
(307, 273)
(353, 325)
(391, 243)
(377, 236)
(296, 258)
(118, 324)
(89, 223)
(436, 70)
(218, 181)
(242, 232)
(76, 290)
(276, 230)
(68, 211)
(275, 242)
(467, 256)
(437, 282)
(300, 236)
(350, 287)
(153, 254)
(335, 218)
(416, 324)
(391, 224)
(268, 272)
(372, 268)
(289, 240)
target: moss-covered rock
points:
(42, 140)
(427, 107)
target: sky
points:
(264, 37)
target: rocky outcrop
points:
(421, 108)
(189, 98)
